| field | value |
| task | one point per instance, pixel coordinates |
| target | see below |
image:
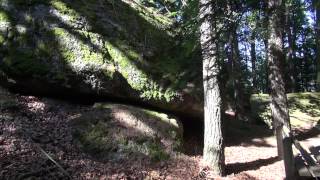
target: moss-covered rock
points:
(7, 100)
(118, 49)
(114, 131)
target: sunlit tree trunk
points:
(213, 151)
(279, 105)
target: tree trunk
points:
(279, 105)
(291, 51)
(239, 96)
(265, 25)
(253, 61)
(317, 30)
(267, 87)
(213, 151)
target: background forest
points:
(126, 89)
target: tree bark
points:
(291, 51)
(317, 30)
(253, 60)
(265, 25)
(239, 97)
(267, 88)
(213, 151)
(279, 105)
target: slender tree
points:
(213, 151)
(253, 60)
(316, 5)
(279, 105)
(265, 26)
(291, 49)
(239, 97)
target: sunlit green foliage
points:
(303, 108)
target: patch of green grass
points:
(304, 108)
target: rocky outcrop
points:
(109, 48)
(121, 132)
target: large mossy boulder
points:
(120, 132)
(108, 48)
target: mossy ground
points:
(7, 100)
(304, 108)
(113, 132)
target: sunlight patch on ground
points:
(304, 108)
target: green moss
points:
(126, 66)
(131, 24)
(2, 39)
(108, 70)
(102, 138)
(163, 117)
(4, 16)
(145, 145)
(151, 16)
(303, 108)
(157, 153)
(137, 79)
(63, 8)
(24, 63)
(43, 50)
(20, 58)
(89, 55)
(72, 49)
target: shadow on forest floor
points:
(253, 165)
(236, 133)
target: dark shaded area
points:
(302, 134)
(193, 132)
(304, 173)
(316, 152)
(235, 133)
(30, 134)
(253, 165)
(305, 164)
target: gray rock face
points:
(116, 49)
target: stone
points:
(122, 132)
(113, 49)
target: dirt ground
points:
(36, 143)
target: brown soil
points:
(36, 129)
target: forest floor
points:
(36, 143)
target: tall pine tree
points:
(213, 151)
